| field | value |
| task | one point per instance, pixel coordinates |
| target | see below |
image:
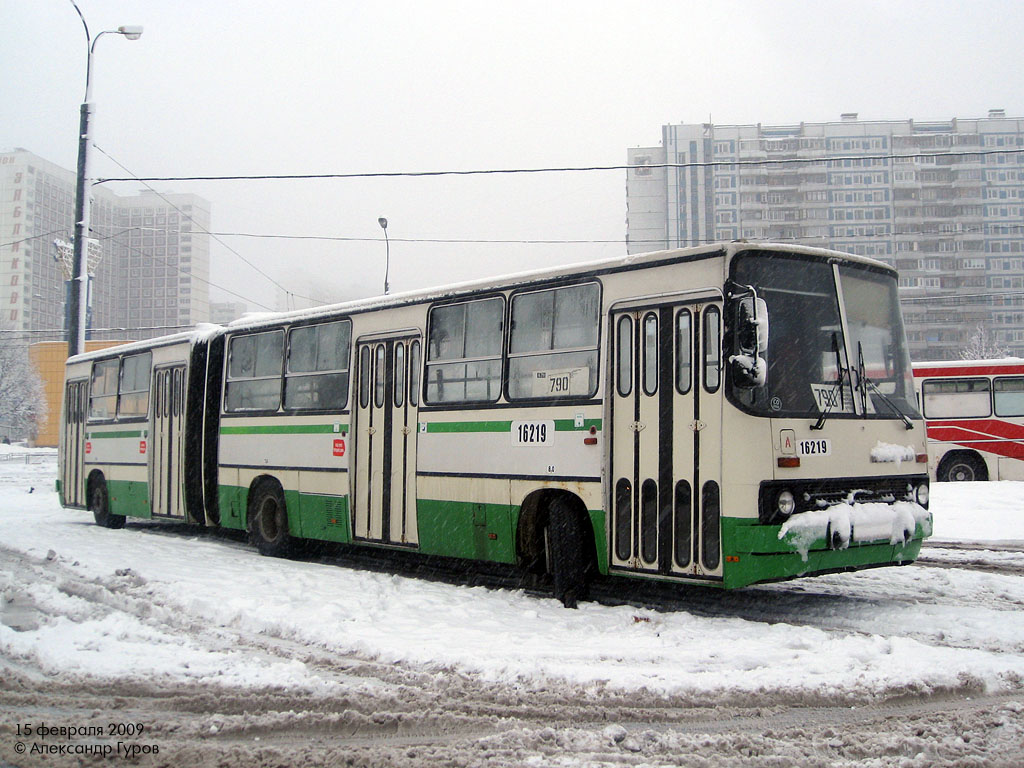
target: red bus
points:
(975, 415)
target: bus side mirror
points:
(752, 325)
(749, 367)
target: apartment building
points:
(153, 248)
(942, 201)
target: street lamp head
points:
(130, 32)
(383, 223)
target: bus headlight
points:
(921, 494)
(785, 504)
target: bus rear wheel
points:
(567, 562)
(962, 468)
(268, 521)
(99, 505)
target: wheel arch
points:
(258, 483)
(534, 514)
(95, 476)
(104, 516)
(967, 455)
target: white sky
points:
(325, 86)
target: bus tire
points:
(962, 467)
(268, 520)
(99, 505)
(567, 558)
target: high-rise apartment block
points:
(153, 275)
(943, 202)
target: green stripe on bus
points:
(103, 435)
(561, 425)
(469, 426)
(285, 429)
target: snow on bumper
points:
(842, 524)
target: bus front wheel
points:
(962, 468)
(268, 521)
(99, 505)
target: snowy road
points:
(227, 658)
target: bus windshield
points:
(817, 365)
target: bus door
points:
(664, 444)
(167, 443)
(76, 406)
(387, 403)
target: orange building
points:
(48, 358)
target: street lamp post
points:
(79, 298)
(387, 252)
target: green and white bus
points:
(723, 415)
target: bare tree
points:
(982, 346)
(22, 398)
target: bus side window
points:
(133, 400)
(464, 351)
(103, 391)
(956, 398)
(553, 345)
(254, 372)
(1009, 396)
(318, 366)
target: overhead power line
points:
(158, 259)
(34, 237)
(561, 169)
(40, 331)
(183, 273)
(990, 228)
(443, 240)
(586, 241)
(29, 335)
(203, 229)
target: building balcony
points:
(969, 272)
(971, 218)
(972, 199)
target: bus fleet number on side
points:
(814, 447)
(530, 433)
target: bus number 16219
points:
(533, 432)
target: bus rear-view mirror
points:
(752, 326)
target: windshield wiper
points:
(843, 373)
(874, 387)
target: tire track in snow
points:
(820, 602)
(396, 713)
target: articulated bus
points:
(975, 415)
(703, 415)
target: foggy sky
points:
(323, 86)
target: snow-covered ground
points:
(978, 512)
(82, 603)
